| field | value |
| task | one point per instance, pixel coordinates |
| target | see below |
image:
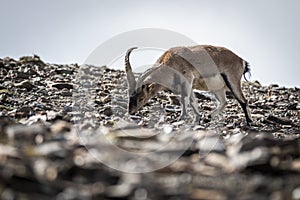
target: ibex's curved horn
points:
(130, 77)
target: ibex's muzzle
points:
(132, 112)
(132, 107)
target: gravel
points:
(56, 121)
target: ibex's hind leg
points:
(244, 104)
(235, 87)
(221, 97)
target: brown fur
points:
(225, 59)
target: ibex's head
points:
(139, 94)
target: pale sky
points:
(265, 33)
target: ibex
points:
(182, 69)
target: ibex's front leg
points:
(183, 102)
(188, 98)
(221, 98)
(194, 104)
(184, 98)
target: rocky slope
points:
(52, 116)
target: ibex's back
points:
(205, 63)
(206, 67)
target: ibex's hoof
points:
(212, 117)
(249, 121)
(206, 119)
(197, 120)
(182, 117)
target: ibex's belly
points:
(212, 83)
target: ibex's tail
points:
(246, 70)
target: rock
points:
(32, 60)
(63, 85)
(200, 193)
(25, 133)
(52, 115)
(31, 72)
(67, 109)
(262, 153)
(107, 111)
(256, 84)
(279, 120)
(60, 126)
(274, 85)
(219, 160)
(35, 118)
(52, 139)
(25, 84)
(64, 71)
(21, 75)
(292, 106)
(24, 111)
(65, 92)
(5, 121)
(210, 143)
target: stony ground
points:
(53, 116)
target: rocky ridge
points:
(46, 109)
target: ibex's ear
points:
(151, 88)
